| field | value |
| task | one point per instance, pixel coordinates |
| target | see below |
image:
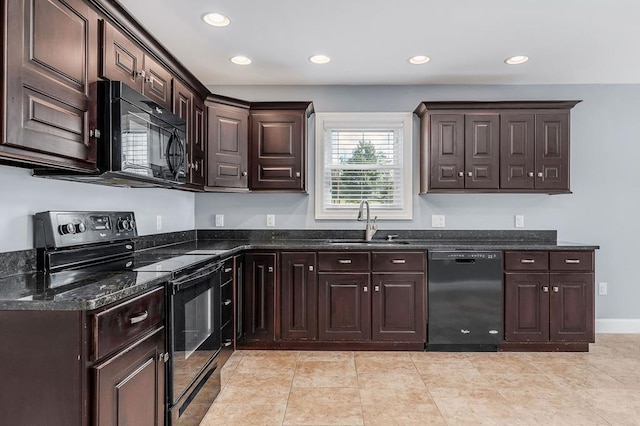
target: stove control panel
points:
(55, 229)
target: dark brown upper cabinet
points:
(228, 144)
(124, 60)
(278, 145)
(49, 65)
(503, 146)
(190, 107)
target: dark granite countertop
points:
(81, 290)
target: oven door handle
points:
(192, 279)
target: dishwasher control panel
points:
(453, 255)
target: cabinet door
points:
(121, 58)
(184, 107)
(259, 298)
(277, 150)
(482, 151)
(344, 306)
(447, 151)
(572, 310)
(198, 144)
(129, 387)
(398, 307)
(157, 82)
(299, 293)
(228, 145)
(51, 61)
(526, 310)
(517, 151)
(552, 151)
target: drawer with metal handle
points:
(571, 260)
(526, 260)
(343, 261)
(398, 261)
(123, 323)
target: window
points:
(363, 156)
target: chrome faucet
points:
(370, 228)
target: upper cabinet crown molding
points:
(494, 146)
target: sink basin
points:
(366, 243)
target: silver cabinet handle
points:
(163, 357)
(365, 289)
(227, 343)
(139, 318)
(527, 261)
(540, 174)
(227, 269)
(545, 289)
(460, 174)
(555, 289)
(311, 268)
(270, 269)
(140, 74)
(94, 133)
(344, 261)
(376, 288)
(469, 174)
(244, 173)
(572, 261)
(195, 166)
(530, 174)
(398, 261)
(297, 174)
(227, 302)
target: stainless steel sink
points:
(367, 243)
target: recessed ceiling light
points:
(419, 59)
(320, 59)
(515, 60)
(216, 19)
(240, 60)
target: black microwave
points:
(140, 140)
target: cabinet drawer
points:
(398, 261)
(343, 261)
(571, 260)
(123, 323)
(526, 260)
(227, 271)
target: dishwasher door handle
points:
(465, 261)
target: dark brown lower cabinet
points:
(129, 387)
(259, 296)
(398, 307)
(298, 296)
(344, 306)
(549, 306)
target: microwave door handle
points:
(168, 155)
(183, 150)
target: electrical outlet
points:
(437, 221)
(519, 221)
(271, 220)
(158, 223)
(219, 220)
(603, 289)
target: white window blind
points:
(363, 157)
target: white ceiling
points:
(370, 41)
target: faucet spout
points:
(370, 228)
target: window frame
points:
(373, 121)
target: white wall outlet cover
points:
(219, 220)
(437, 221)
(603, 289)
(271, 220)
(158, 222)
(519, 221)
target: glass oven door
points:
(194, 327)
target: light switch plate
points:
(519, 221)
(158, 222)
(219, 220)
(437, 221)
(603, 289)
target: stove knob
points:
(80, 227)
(132, 224)
(125, 225)
(67, 229)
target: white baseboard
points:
(618, 326)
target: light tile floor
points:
(601, 387)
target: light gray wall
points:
(602, 210)
(22, 195)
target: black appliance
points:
(76, 247)
(465, 300)
(140, 143)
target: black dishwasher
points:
(465, 300)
